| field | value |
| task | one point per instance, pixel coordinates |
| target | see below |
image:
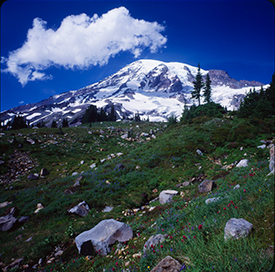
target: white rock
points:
(261, 146)
(242, 163)
(93, 165)
(166, 196)
(210, 200)
(237, 187)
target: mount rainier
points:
(154, 89)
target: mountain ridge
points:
(155, 89)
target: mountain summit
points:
(154, 89)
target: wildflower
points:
(161, 246)
(116, 263)
(162, 229)
(219, 211)
(224, 208)
(171, 249)
(194, 236)
(236, 207)
(171, 237)
(183, 267)
(260, 190)
(245, 176)
(244, 190)
(113, 269)
(184, 237)
(200, 227)
(154, 251)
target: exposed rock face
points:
(206, 186)
(237, 228)
(168, 264)
(101, 236)
(167, 196)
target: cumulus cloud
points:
(80, 42)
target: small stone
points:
(206, 186)
(237, 187)
(39, 207)
(210, 200)
(167, 264)
(242, 163)
(199, 152)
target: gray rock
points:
(7, 222)
(242, 163)
(75, 173)
(107, 209)
(237, 187)
(206, 186)
(168, 264)
(271, 159)
(105, 233)
(261, 146)
(23, 219)
(81, 209)
(213, 199)
(153, 241)
(199, 152)
(14, 264)
(186, 183)
(33, 176)
(166, 196)
(237, 228)
(44, 172)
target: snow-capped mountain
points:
(154, 89)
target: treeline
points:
(93, 114)
(20, 122)
(259, 104)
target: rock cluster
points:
(19, 164)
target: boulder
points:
(105, 233)
(168, 264)
(242, 163)
(153, 241)
(7, 222)
(237, 228)
(166, 196)
(206, 186)
(81, 209)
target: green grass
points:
(160, 163)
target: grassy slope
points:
(163, 163)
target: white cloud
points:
(80, 42)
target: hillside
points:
(153, 88)
(120, 169)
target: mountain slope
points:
(153, 88)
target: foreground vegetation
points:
(195, 231)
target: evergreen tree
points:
(207, 89)
(90, 115)
(198, 84)
(65, 122)
(112, 116)
(137, 117)
(18, 122)
(54, 124)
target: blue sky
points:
(50, 47)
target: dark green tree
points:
(54, 124)
(207, 89)
(90, 115)
(112, 115)
(65, 122)
(137, 117)
(198, 84)
(19, 122)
